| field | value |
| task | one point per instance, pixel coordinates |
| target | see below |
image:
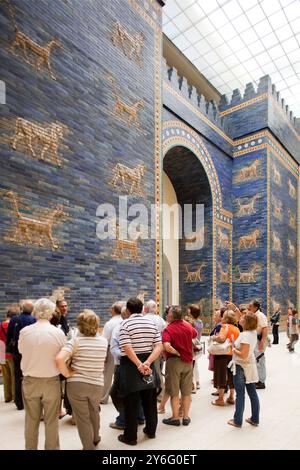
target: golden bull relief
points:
(34, 230)
(40, 141)
(128, 179)
(292, 219)
(277, 205)
(127, 113)
(292, 190)
(224, 275)
(131, 44)
(29, 50)
(223, 238)
(249, 241)
(125, 248)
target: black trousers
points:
(18, 382)
(117, 400)
(275, 334)
(131, 409)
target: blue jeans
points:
(239, 383)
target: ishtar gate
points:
(149, 225)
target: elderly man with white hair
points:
(39, 345)
(150, 311)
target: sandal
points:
(161, 411)
(232, 423)
(216, 403)
(230, 401)
(249, 420)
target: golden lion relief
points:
(249, 172)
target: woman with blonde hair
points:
(85, 376)
(222, 375)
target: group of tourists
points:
(139, 359)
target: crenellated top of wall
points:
(285, 109)
(180, 84)
(217, 113)
(264, 86)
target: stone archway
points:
(188, 177)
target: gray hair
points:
(43, 309)
(117, 307)
(176, 312)
(151, 306)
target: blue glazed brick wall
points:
(81, 99)
(246, 255)
(282, 125)
(283, 261)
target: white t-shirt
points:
(262, 321)
(157, 319)
(249, 364)
(246, 337)
(109, 327)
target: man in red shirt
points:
(177, 339)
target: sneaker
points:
(115, 425)
(141, 421)
(121, 438)
(172, 422)
(260, 385)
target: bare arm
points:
(170, 349)
(158, 349)
(61, 364)
(243, 353)
(232, 306)
(221, 338)
(142, 368)
(262, 342)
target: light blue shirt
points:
(114, 344)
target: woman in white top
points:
(85, 380)
(245, 371)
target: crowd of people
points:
(139, 359)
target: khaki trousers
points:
(85, 401)
(8, 380)
(109, 369)
(41, 394)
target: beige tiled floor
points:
(279, 428)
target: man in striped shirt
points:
(140, 344)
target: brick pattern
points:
(82, 99)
